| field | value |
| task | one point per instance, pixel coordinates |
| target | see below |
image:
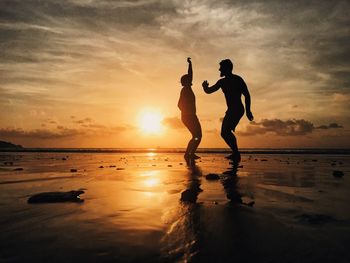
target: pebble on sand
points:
(338, 173)
(212, 177)
(316, 219)
(101, 166)
(189, 196)
(56, 197)
(119, 168)
(73, 170)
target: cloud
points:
(330, 126)
(84, 121)
(279, 127)
(63, 132)
(174, 123)
(291, 127)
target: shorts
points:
(231, 120)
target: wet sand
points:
(153, 207)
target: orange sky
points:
(81, 73)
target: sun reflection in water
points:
(151, 182)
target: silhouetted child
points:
(187, 105)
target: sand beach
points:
(154, 207)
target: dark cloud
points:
(39, 133)
(62, 132)
(330, 126)
(279, 127)
(291, 127)
(173, 122)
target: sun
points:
(151, 122)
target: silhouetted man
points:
(233, 86)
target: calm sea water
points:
(180, 150)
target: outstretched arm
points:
(190, 71)
(247, 102)
(211, 89)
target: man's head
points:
(186, 81)
(226, 67)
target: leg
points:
(229, 124)
(193, 125)
(227, 135)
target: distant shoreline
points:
(181, 150)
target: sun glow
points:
(151, 122)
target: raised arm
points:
(247, 101)
(190, 71)
(211, 89)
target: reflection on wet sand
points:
(181, 240)
(196, 213)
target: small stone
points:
(338, 174)
(119, 168)
(73, 170)
(111, 166)
(189, 196)
(252, 203)
(18, 169)
(63, 159)
(263, 160)
(101, 166)
(169, 165)
(212, 177)
(55, 197)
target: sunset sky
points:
(85, 73)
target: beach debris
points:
(56, 197)
(73, 170)
(230, 172)
(63, 159)
(338, 174)
(251, 204)
(316, 219)
(169, 165)
(212, 177)
(181, 163)
(189, 195)
(111, 166)
(101, 166)
(263, 160)
(120, 168)
(18, 169)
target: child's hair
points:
(185, 79)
